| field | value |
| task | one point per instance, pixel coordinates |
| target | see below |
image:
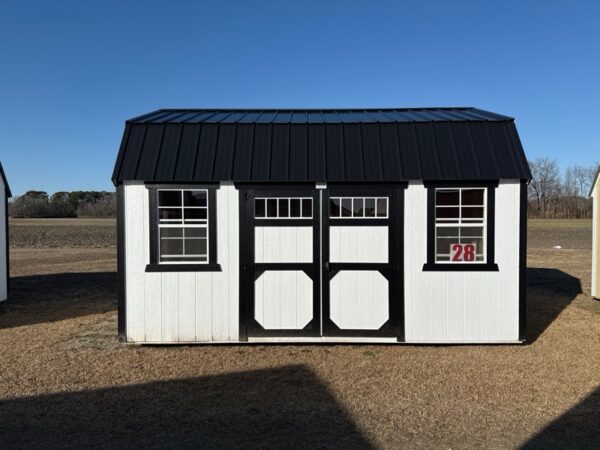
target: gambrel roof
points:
(312, 145)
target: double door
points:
(321, 262)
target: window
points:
(283, 208)
(182, 229)
(358, 207)
(183, 225)
(460, 225)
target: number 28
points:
(464, 252)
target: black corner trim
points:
(183, 268)
(121, 267)
(523, 262)
(441, 267)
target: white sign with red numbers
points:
(462, 252)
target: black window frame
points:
(155, 265)
(490, 264)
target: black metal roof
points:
(209, 145)
(3, 176)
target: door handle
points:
(327, 266)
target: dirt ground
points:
(65, 381)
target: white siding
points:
(283, 244)
(3, 249)
(181, 306)
(596, 242)
(359, 299)
(283, 299)
(350, 244)
(446, 307)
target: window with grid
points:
(358, 207)
(460, 218)
(183, 226)
(283, 208)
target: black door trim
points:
(250, 271)
(393, 270)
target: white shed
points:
(595, 194)
(380, 225)
(4, 196)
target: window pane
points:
(195, 214)
(307, 207)
(295, 207)
(169, 214)
(283, 207)
(446, 213)
(472, 197)
(171, 247)
(477, 241)
(271, 207)
(471, 231)
(195, 246)
(381, 207)
(369, 207)
(195, 232)
(443, 245)
(334, 207)
(472, 213)
(171, 232)
(346, 207)
(259, 207)
(447, 232)
(358, 207)
(169, 198)
(446, 197)
(194, 198)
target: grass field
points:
(67, 382)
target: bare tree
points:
(545, 185)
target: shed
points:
(595, 194)
(4, 196)
(378, 225)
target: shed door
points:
(362, 247)
(280, 264)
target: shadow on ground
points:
(52, 297)
(549, 292)
(579, 427)
(287, 407)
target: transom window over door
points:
(183, 225)
(460, 225)
(283, 208)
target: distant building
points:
(378, 225)
(595, 193)
(4, 196)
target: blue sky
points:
(72, 71)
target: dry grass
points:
(67, 382)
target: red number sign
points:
(462, 252)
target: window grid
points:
(186, 225)
(462, 223)
(285, 208)
(339, 203)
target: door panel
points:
(279, 262)
(283, 300)
(358, 244)
(359, 300)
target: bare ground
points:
(67, 382)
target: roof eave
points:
(3, 175)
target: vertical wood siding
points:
(446, 307)
(596, 243)
(283, 244)
(181, 306)
(359, 299)
(3, 249)
(358, 244)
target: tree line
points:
(64, 204)
(552, 194)
(556, 194)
